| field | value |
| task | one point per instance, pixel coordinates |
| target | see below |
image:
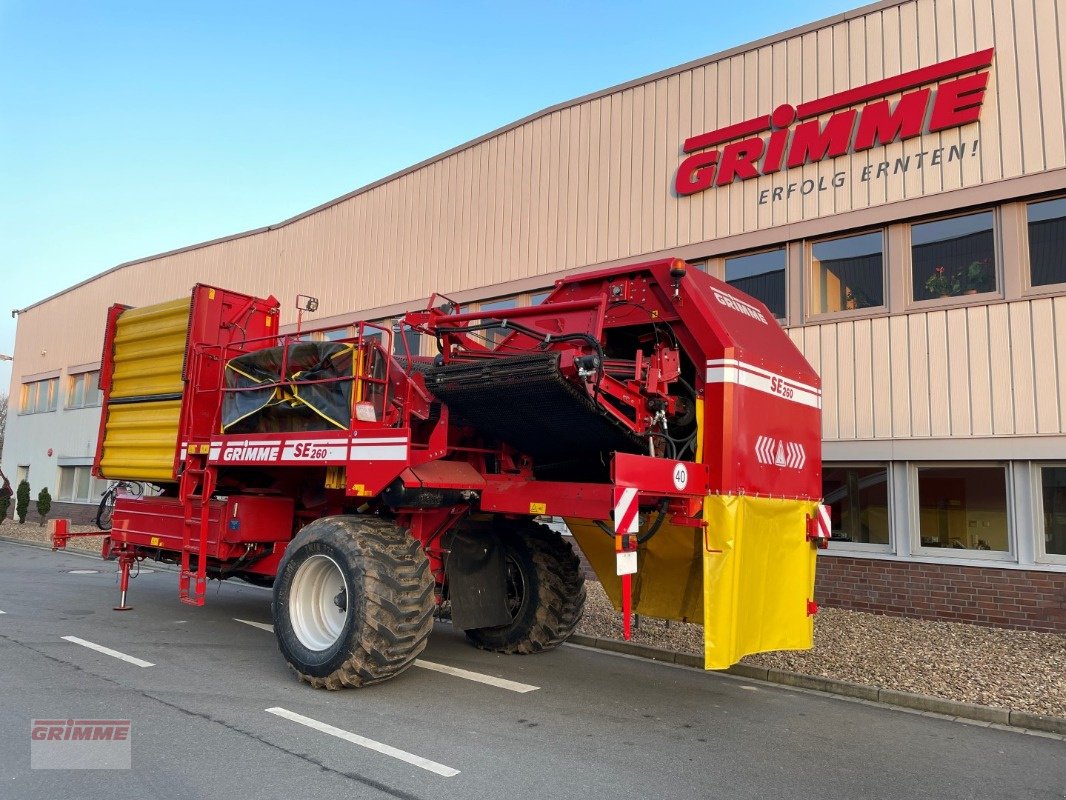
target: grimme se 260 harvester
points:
(662, 413)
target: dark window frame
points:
(813, 283)
(783, 247)
(957, 271)
(1027, 269)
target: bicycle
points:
(106, 508)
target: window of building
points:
(762, 275)
(857, 497)
(77, 485)
(1053, 506)
(963, 508)
(537, 298)
(953, 257)
(83, 390)
(848, 273)
(493, 336)
(408, 335)
(39, 396)
(1047, 242)
(337, 334)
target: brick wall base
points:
(1010, 598)
(77, 513)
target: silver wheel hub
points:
(318, 606)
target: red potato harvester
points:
(663, 414)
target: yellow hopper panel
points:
(150, 350)
(140, 439)
(144, 405)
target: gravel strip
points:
(31, 531)
(1019, 670)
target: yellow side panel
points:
(150, 350)
(669, 579)
(140, 441)
(758, 574)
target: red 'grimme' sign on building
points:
(797, 137)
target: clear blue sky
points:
(131, 128)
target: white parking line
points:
(261, 625)
(490, 680)
(502, 683)
(362, 741)
(108, 651)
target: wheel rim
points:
(318, 606)
(516, 588)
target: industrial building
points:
(890, 182)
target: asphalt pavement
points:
(218, 714)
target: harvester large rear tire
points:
(545, 591)
(353, 601)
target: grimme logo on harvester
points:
(797, 137)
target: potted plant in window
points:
(941, 283)
(977, 277)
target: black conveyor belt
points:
(526, 402)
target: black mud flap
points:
(477, 582)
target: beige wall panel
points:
(845, 380)
(980, 377)
(588, 165)
(829, 362)
(864, 388)
(939, 398)
(1059, 306)
(695, 210)
(1028, 65)
(1000, 360)
(619, 170)
(1021, 372)
(1005, 75)
(900, 378)
(652, 197)
(1046, 390)
(1051, 46)
(958, 372)
(918, 358)
(724, 114)
(674, 135)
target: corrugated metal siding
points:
(977, 371)
(593, 183)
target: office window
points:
(1047, 242)
(963, 508)
(337, 334)
(408, 335)
(1053, 495)
(83, 390)
(77, 485)
(953, 257)
(848, 273)
(858, 502)
(762, 275)
(493, 336)
(39, 396)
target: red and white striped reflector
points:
(625, 510)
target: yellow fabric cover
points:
(748, 581)
(669, 579)
(758, 574)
